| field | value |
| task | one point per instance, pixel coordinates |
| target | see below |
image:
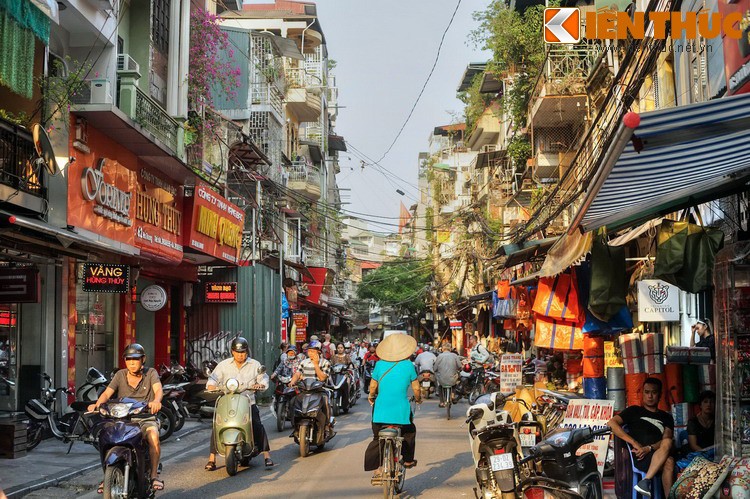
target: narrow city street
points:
(444, 469)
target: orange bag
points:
(557, 298)
(593, 356)
(558, 335)
(673, 387)
(634, 388)
(503, 288)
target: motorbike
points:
(309, 420)
(124, 451)
(95, 384)
(282, 397)
(427, 382)
(173, 398)
(46, 415)
(563, 473)
(495, 448)
(233, 427)
(369, 367)
(344, 391)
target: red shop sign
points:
(215, 225)
(21, 285)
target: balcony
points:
(303, 94)
(125, 113)
(313, 257)
(559, 96)
(548, 166)
(208, 155)
(304, 179)
(20, 183)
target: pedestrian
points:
(389, 396)
(706, 337)
(329, 349)
(251, 376)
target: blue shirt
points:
(392, 403)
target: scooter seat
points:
(390, 432)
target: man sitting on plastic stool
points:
(649, 434)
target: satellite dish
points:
(44, 149)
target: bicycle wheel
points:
(388, 481)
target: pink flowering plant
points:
(208, 72)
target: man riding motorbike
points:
(315, 366)
(247, 371)
(288, 365)
(142, 384)
(447, 366)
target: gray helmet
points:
(134, 350)
(239, 344)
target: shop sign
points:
(658, 301)
(106, 278)
(300, 322)
(594, 414)
(284, 331)
(215, 225)
(511, 374)
(153, 298)
(221, 292)
(110, 201)
(158, 217)
(21, 285)
(610, 355)
(737, 51)
(456, 325)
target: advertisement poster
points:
(215, 225)
(300, 322)
(658, 301)
(510, 372)
(284, 331)
(737, 52)
(583, 413)
(158, 217)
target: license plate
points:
(426, 384)
(527, 439)
(500, 462)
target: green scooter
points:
(233, 427)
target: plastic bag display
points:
(609, 281)
(557, 298)
(558, 335)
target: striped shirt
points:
(307, 368)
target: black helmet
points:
(239, 344)
(134, 350)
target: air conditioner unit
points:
(100, 91)
(266, 245)
(127, 63)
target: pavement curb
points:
(21, 490)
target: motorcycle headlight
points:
(103, 411)
(119, 410)
(232, 384)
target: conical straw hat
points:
(396, 347)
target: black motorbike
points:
(344, 391)
(309, 418)
(369, 367)
(564, 474)
(282, 401)
(124, 451)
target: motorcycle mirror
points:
(262, 370)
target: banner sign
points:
(456, 324)
(658, 301)
(215, 225)
(610, 355)
(20, 285)
(106, 278)
(511, 374)
(594, 414)
(284, 331)
(158, 217)
(300, 321)
(221, 292)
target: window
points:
(160, 25)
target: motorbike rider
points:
(247, 371)
(372, 353)
(288, 365)
(425, 361)
(447, 366)
(341, 357)
(315, 367)
(142, 384)
(389, 396)
(478, 353)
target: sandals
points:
(210, 466)
(100, 488)
(410, 465)
(157, 485)
(268, 462)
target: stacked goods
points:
(690, 386)
(616, 386)
(632, 355)
(681, 414)
(594, 382)
(634, 388)
(595, 388)
(688, 355)
(652, 345)
(573, 368)
(674, 383)
(707, 377)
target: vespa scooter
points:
(233, 426)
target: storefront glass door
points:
(8, 356)
(95, 332)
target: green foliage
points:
(399, 286)
(429, 224)
(519, 150)
(20, 118)
(475, 103)
(537, 195)
(495, 225)
(60, 91)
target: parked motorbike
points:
(427, 382)
(95, 384)
(563, 473)
(124, 451)
(173, 398)
(282, 398)
(344, 393)
(309, 420)
(46, 415)
(233, 426)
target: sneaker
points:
(644, 487)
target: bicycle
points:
(447, 399)
(393, 472)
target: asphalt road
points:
(444, 470)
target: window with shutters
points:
(160, 25)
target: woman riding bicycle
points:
(389, 396)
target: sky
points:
(384, 50)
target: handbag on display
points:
(557, 298)
(609, 280)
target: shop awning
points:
(529, 250)
(272, 261)
(286, 47)
(691, 154)
(481, 297)
(485, 158)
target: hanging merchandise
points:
(595, 388)
(674, 383)
(593, 356)
(506, 306)
(609, 281)
(621, 321)
(616, 386)
(686, 252)
(652, 346)
(557, 298)
(523, 312)
(558, 335)
(690, 385)
(632, 355)
(644, 270)
(634, 388)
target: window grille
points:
(160, 25)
